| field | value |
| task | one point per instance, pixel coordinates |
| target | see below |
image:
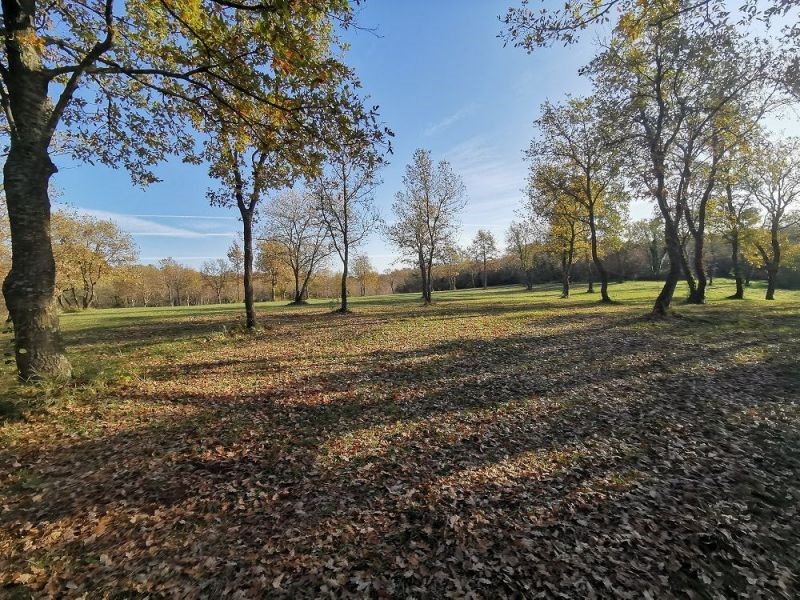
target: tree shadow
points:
(591, 451)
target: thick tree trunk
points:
(29, 287)
(675, 253)
(485, 285)
(774, 264)
(298, 293)
(249, 301)
(772, 275)
(687, 272)
(698, 294)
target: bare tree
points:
(426, 213)
(293, 222)
(217, 273)
(345, 196)
(484, 247)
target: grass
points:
(498, 443)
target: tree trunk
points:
(772, 275)
(774, 264)
(345, 260)
(485, 286)
(698, 294)
(601, 270)
(737, 268)
(565, 268)
(687, 273)
(675, 253)
(29, 287)
(249, 301)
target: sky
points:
(443, 81)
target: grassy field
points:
(497, 444)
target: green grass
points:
(499, 442)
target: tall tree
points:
(271, 264)
(667, 71)
(426, 213)
(562, 215)
(217, 273)
(293, 222)
(123, 85)
(363, 272)
(671, 81)
(589, 150)
(86, 250)
(345, 196)
(735, 216)
(775, 185)
(484, 246)
(521, 241)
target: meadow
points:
(499, 443)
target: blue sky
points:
(443, 81)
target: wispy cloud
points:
(449, 120)
(138, 225)
(494, 179)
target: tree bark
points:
(774, 264)
(29, 287)
(565, 269)
(737, 268)
(485, 285)
(345, 260)
(249, 301)
(601, 270)
(675, 253)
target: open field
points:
(500, 443)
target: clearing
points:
(500, 443)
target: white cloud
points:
(137, 225)
(449, 120)
(493, 180)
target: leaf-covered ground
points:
(497, 444)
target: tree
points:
(177, 279)
(665, 74)
(124, 86)
(521, 241)
(561, 213)
(85, 250)
(670, 82)
(775, 185)
(345, 196)
(452, 260)
(217, 273)
(649, 235)
(271, 263)
(363, 272)
(589, 153)
(484, 247)
(293, 222)
(735, 217)
(426, 213)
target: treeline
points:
(96, 266)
